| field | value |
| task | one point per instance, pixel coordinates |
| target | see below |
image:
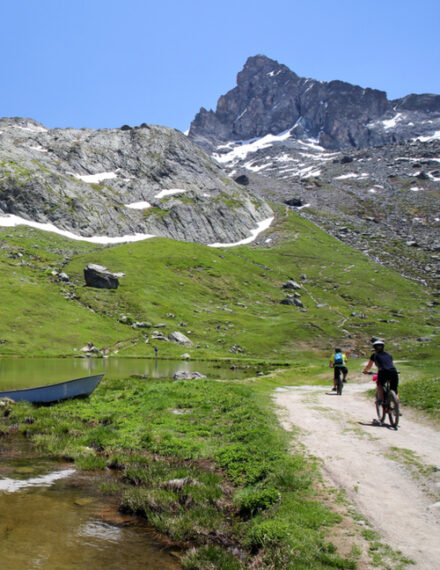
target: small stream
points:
(53, 517)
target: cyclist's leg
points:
(337, 373)
(381, 379)
(344, 373)
(394, 382)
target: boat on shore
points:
(78, 388)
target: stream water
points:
(52, 517)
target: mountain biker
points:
(386, 368)
(337, 362)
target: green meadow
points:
(219, 298)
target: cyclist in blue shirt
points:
(337, 362)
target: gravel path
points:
(391, 477)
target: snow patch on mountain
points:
(96, 178)
(138, 205)
(351, 175)
(38, 148)
(262, 226)
(435, 136)
(390, 123)
(238, 150)
(10, 220)
(169, 192)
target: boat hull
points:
(80, 387)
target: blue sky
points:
(102, 64)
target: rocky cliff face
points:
(115, 182)
(270, 98)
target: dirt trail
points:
(399, 497)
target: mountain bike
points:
(389, 405)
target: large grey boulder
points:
(179, 338)
(100, 277)
(290, 284)
(292, 301)
(185, 375)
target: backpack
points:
(339, 360)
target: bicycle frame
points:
(389, 405)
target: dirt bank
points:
(391, 477)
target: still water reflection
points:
(53, 518)
(16, 373)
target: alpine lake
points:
(51, 516)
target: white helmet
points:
(378, 342)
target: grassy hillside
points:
(223, 299)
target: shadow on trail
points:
(376, 423)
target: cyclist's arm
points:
(368, 366)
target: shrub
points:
(268, 534)
(252, 500)
(209, 557)
(90, 462)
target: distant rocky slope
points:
(364, 168)
(383, 200)
(270, 98)
(116, 182)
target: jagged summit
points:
(269, 98)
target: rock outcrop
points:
(185, 375)
(100, 277)
(147, 180)
(180, 338)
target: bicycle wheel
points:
(393, 409)
(380, 410)
(339, 386)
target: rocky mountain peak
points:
(269, 98)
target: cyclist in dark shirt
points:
(386, 368)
